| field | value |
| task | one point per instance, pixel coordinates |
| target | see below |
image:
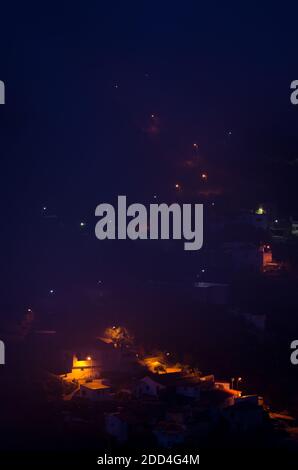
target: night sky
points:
(107, 99)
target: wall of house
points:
(92, 394)
(188, 391)
(148, 387)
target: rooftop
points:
(176, 379)
(96, 384)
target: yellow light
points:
(260, 211)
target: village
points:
(128, 396)
(148, 308)
(199, 371)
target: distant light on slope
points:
(260, 211)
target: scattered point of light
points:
(268, 247)
(116, 86)
(195, 146)
(202, 270)
(82, 224)
(276, 221)
(204, 176)
(213, 203)
(177, 186)
(44, 208)
(29, 310)
(167, 354)
(99, 282)
(155, 197)
(230, 133)
(88, 358)
(51, 291)
(153, 116)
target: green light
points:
(260, 211)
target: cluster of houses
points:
(244, 239)
(266, 218)
(169, 406)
